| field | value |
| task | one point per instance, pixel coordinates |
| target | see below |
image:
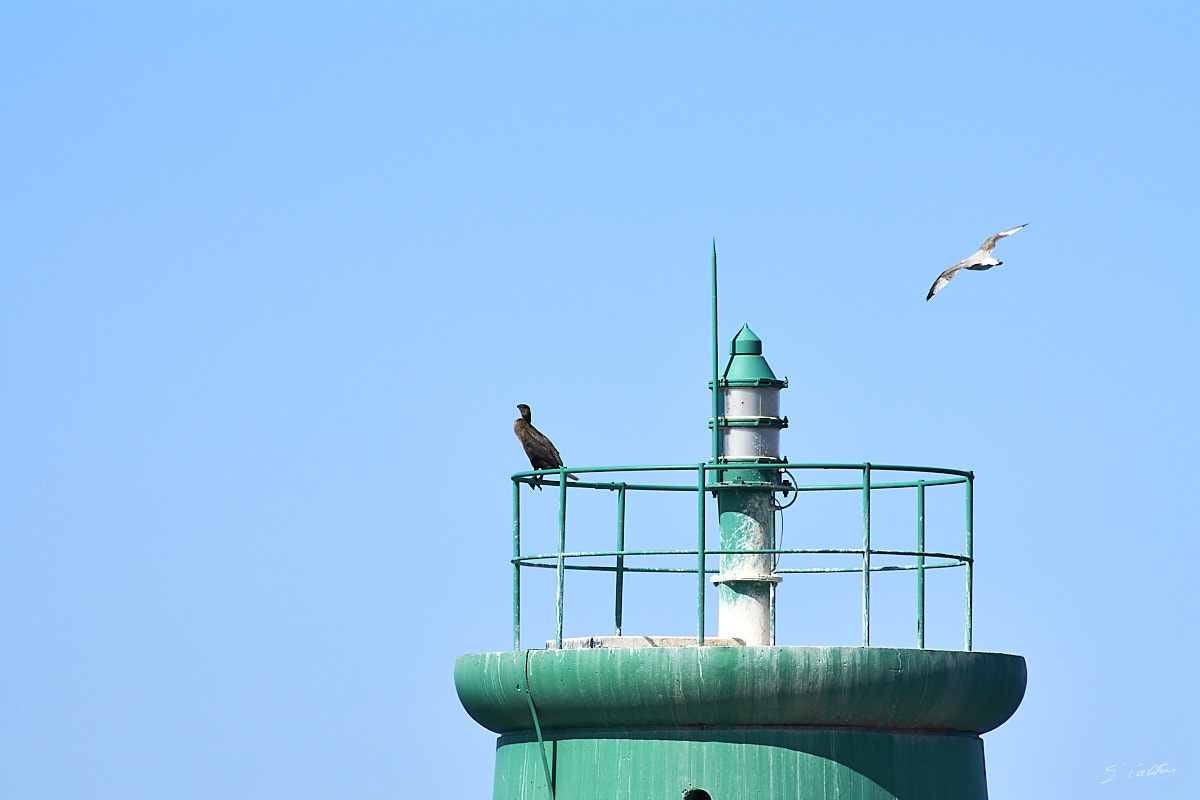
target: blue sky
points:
(275, 278)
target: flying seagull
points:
(980, 259)
(541, 451)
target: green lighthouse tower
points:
(606, 714)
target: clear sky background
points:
(275, 277)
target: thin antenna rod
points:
(716, 443)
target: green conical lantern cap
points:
(746, 365)
(746, 343)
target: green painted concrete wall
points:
(743, 762)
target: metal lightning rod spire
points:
(716, 433)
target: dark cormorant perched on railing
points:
(541, 451)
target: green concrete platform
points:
(763, 722)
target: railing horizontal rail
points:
(892, 485)
(671, 487)
(782, 466)
(763, 551)
(858, 569)
(714, 571)
(606, 568)
(610, 553)
(613, 487)
(724, 465)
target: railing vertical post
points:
(516, 565)
(921, 564)
(866, 564)
(772, 615)
(774, 563)
(700, 556)
(562, 547)
(970, 558)
(620, 589)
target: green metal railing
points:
(563, 561)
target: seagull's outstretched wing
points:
(988, 246)
(944, 278)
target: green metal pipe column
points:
(749, 428)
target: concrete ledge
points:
(630, 687)
(597, 642)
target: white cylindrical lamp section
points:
(750, 430)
